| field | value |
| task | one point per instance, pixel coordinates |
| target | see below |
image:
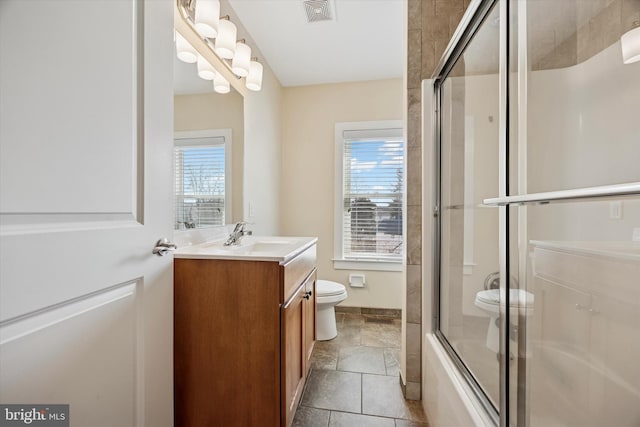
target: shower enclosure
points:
(537, 204)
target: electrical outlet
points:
(615, 210)
(636, 235)
(251, 210)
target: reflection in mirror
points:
(209, 139)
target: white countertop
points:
(279, 249)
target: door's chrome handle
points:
(163, 247)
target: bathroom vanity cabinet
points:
(244, 331)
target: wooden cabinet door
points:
(293, 368)
(309, 310)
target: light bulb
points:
(241, 60)
(630, 42)
(254, 79)
(220, 84)
(225, 44)
(207, 17)
(186, 52)
(205, 69)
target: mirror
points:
(208, 153)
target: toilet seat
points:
(517, 297)
(327, 288)
(520, 302)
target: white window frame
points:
(365, 263)
(178, 138)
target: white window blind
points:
(200, 182)
(372, 194)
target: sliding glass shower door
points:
(469, 232)
(574, 139)
(538, 136)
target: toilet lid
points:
(328, 288)
(517, 297)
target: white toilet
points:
(328, 294)
(489, 302)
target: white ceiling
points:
(364, 42)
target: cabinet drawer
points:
(296, 270)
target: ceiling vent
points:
(318, 10)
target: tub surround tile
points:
(413, 391)
(414, 63)
(427, 39)
(414, 293)
(415, 13)
(413, 353)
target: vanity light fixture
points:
(222, 58)
(220, 84)
(225, 45)
(254, 79)
(242, 59)
(207, 17)
(205, 69)
(186, 52)
(630, 42)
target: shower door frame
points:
(471, 21)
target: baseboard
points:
(387, 312)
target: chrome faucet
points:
(237, 234)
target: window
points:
(202, 184)
(369, 195)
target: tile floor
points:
(354, 379)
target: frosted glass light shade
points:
(630, 42)
(186, 52)
(241, 60)
(220, 84)
(225, 45)
(205, 70)
(254, 79)
(207, 17)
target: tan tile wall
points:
(584, 29)
(431, 23)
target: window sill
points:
(367, 265)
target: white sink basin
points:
(251, 248)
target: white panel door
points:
(86, 122)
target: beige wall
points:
(307, 191)
(215, 111)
